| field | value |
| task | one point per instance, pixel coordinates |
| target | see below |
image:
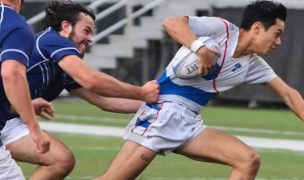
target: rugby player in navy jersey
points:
(16, 42)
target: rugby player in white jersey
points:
(174, 124)
(56, 63)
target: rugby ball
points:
(185, 64)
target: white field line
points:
(234, 129)
(101, 148)
(90, 118)
(96, 148)
(183, 178)
(263, 143)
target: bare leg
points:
(218, 147)
(130, 161)
(53, 165)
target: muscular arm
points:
(118, 105)
(291, 97)
(179, 30)
(101, 83)
(17, 91)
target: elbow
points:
(11, 75)
(89, 81)
(171, 23)
(107, 107)
(168, 24)
(287, 97)
(89, 84)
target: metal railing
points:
(124, 21)
(130, 16)
(40, 16)
(111, 9)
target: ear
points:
(257, 27)
(66, 27)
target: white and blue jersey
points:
(16, 43)
(197, 92)
(45, 77)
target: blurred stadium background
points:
(131, 45)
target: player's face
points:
(82, 32)
(267, 41)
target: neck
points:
(64, 34)
(15, 4)
(244, 46)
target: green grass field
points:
(94, 154)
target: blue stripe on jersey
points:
(153, 106)
(141, 123)
(162, 77)
(213, 75)
(196, 95)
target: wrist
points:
(33, 126)
(142, 94)
(196, 46)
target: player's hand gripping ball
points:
(185, 61)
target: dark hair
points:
(265, 12)
(63, 10)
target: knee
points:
(249, 161)
(68, 162)
(65, 163)
(254, 160)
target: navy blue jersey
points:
(46, 78)
(16, 43)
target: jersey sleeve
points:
(56, 47)
(71, 84)
(18, 45)
(209, 26)
(259, 72)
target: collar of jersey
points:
(7, 6)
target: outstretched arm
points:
(105, 85)
(118, 105)
(291, 97)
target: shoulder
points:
(256, 61)
(228, 25)
(16, 24)
(51, 38)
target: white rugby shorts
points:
(164, 127)
(13, 130)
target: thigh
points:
(130, 161)
(217, 147)
(24, 150)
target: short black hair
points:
(265, 12)
(64, 10)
